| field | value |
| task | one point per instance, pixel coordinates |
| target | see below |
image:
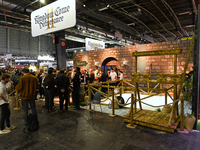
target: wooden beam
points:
(157, 52)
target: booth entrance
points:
(109, 63)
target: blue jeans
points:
(25, 108)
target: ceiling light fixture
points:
(185, 13)
(42, 1)
(84, 5)
(133, 24)
(104, 8)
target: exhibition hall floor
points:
(81, 130)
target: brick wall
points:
(160, 64)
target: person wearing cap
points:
(49, 85)
(27, 86)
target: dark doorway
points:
(109, 63)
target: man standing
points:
(62, 82)
(76, 86)
(49, 85)
(4, 104)
(103, 78)
(41, 89)
(113, 76)
(27, 87)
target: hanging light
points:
(42, 1)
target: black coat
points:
(103, 77)
(91, 79)
(49, 79)
(62, 81)
(77, 80)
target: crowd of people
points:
(47, 84)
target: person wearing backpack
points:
(27, 86)
(49, 85)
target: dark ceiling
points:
(139, 21)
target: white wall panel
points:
(3, 38)
(22, 43)
(14, 39)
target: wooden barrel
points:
(81, 93)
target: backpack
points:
(33, 123)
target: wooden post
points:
(68, 96)
(17, 101)
(135, 64)
(120, 92)
(108, 89)
(186, 65)
(113, 104)
(89, 95)
(138, 93)
(135, 83)
(175, 85)
(165, 97)
(182, 114)
(131, 115)
(150, 73)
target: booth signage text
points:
(56, 16)
(81, 63)
(93, 44)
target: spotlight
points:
(42, 1)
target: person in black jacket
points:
(62, 82)
(41, 89)
(91, 76)
(103, 78)
(49, 85)
(76, 86)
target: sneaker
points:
(10, 128)
(4, 131)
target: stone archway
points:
(109, 63)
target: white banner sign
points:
(8, 56)
(141, 60)
(91, 44)
(69, 63)
(46, 57)
(56, 16)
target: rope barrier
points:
(12, 92)
(160, 105)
